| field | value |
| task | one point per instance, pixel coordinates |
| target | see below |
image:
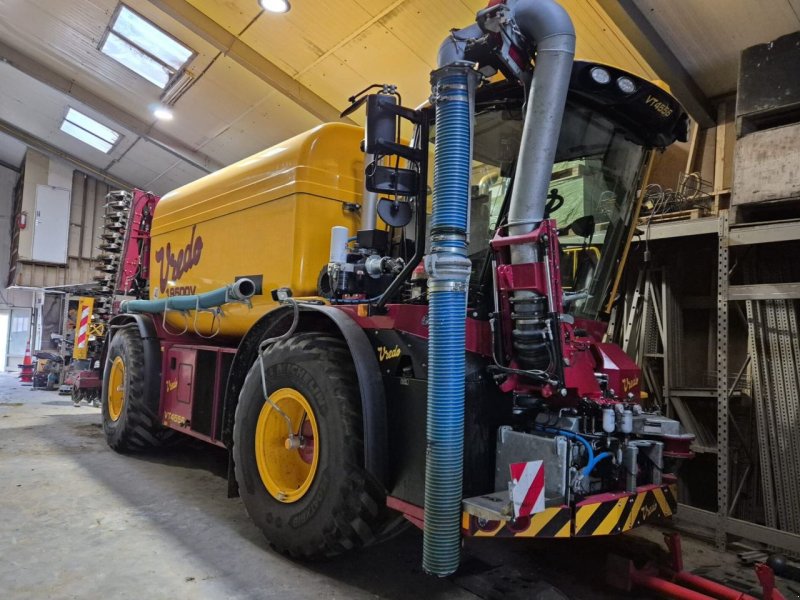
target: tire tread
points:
(361, 517)
(141, 429)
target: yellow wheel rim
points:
(287, 467)
(116, 388)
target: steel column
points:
(722, 380)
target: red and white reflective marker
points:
(527, 487)
(83, 329)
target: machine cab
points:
(611, 124)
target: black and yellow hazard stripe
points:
(615, 515)
(555, 522)
(626, 512)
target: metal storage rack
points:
(721, 525)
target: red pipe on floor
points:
(712, 588)
(666, 588)
(675, 583)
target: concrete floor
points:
(80, 521)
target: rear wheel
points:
(130, 419)
(299, 456)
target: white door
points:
(3, 339)
(51, 226)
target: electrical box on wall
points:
(51, 225)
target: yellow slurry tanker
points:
(377, 330)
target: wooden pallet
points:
(680, 215)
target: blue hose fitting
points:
(449, 270)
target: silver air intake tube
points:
(548, 26)
(550, 29)
(545, 25)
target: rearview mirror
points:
(583, 226)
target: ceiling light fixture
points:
(275, 6)
(163, 113)
(89, 131)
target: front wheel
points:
(299, 456)
(130, 419)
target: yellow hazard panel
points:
(626, 511)
(550, 523)
(614, 514)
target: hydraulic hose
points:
(593, 460)
(587, 470)
(449, 269)
(241, 290)
(573, 436)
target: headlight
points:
(600, 75)
(626, 85)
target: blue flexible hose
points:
(593, 460)
(452, 170)
(573, 436)
(444, 467)
(587, 470)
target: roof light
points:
(600, 75)
(626, 85)
(145, 49)
(276, 6)
(89, 131)
(163, 113)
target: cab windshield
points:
(593, 188)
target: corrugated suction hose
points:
(449, 270)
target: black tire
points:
(137, 428)
(344, 507)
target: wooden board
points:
(766, 166)
(680, 215)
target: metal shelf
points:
(689, 515)
(676, 229)
(704, 449)
(694, 392)
(764, 291)
(745, 234)
(700, 392)
(742, 234)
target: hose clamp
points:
(448, 266)
(465, 70)
(449, 243)
(447, 285)
(439, 98)
(444, 87)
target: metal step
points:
(492, 507)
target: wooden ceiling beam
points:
(247, 57)
(36, 143)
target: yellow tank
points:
(268, 216)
